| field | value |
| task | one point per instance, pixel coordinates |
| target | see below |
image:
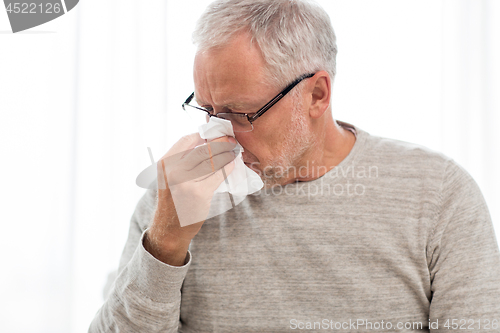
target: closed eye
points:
(209, 109)
(225, 110)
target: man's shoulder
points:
(405, 164)
(405, 160)
(384, 150)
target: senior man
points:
(352, 232)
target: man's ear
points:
(320, 89)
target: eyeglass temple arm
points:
(188, 100)
(279, 96)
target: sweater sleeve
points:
(464, 259)
(146, 295)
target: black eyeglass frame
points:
(262, 110)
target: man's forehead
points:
(241, 94)
(229, 100)
(240, 58)
(229, 77)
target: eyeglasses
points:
(242, 122)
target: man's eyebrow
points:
(198, 101)
(237, 106)
(233, 105)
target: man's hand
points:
(187, 179)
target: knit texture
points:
(396, 233)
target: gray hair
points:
(295, 36)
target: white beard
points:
(297, 141)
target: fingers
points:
(205, 154)
(224, 139)
(194, 163)
(213, 181)
(185, 143)
(206, 167)
(192, 200)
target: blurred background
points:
(83, 96)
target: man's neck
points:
(333, 147)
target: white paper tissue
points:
(242, 181)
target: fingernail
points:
(232, 140)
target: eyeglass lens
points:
(238, 120)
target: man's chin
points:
(269, 176)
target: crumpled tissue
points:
(242, 181)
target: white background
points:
(83, 96)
